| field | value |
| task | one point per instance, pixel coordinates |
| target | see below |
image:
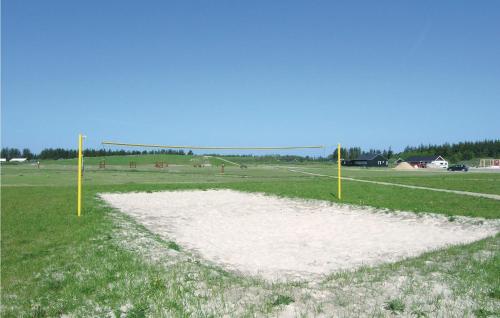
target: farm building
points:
(368, 160)
(18, 160)
(428, 162)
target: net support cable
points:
(113, 143)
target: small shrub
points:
(55, 285)
(495, 293)
(38, 312)
(173, 246)
(395, 305)
(157, 283)
(174, 306)
(452, 218)
(137, 312)
(481, 312)
(282, 300)
(419, 314)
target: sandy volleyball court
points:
(280, 238)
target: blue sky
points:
(241, 73)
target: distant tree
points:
(467, 155)
(190, 153)
(27, 154)
(390, 153)
(12, 153)
(344, 154)
(4, 152)
(354, 152)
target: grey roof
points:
(423, 158)
(369, 156)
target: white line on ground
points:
(474, 194)
(231, 162)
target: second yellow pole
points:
(339, 164)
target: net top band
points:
(112, 143)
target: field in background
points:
(481, 181)
(125, 160)
(54, 263)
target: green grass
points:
(54, 263)
(264, 179)
(483, 182)
(395, 305)
(282, 300)
(125, 160)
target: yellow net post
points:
(339, 164)
(79, 203)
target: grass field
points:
(105, 264)
(483, 182)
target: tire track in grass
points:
(474, 194)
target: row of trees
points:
(275, 157)
(61, 153)
(355, 152)
(10, 153)
(457, 152)
(461, 151)
(452, 152)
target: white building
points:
(428, 162)
(18, 160)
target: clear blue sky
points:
(365, 73)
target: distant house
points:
(18, 160)
(3, 160)
(428, 162)
(368, 160)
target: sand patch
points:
(404, 166)
(280, 238)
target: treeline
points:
(452, 152)
(61, 153)
(461, 151)
(10, 153)
(355, 152)
(274, 157)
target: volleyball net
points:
(114, 143)
(137, 162)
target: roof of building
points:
(424, 158)
(369, 156)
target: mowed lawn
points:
(482, 182)
(103, 263)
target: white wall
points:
(18, 160)
(438, 164)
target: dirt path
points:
(474, 194)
